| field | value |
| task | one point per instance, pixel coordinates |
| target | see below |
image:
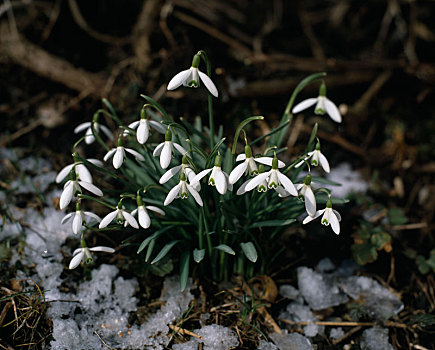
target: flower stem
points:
(203, 55)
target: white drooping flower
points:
(142, 213)
(191, 77)
(118, 154)
(323, 105)
(84, 254)
(330, 217)
(275, 180)
(142, 127)
(217, 177)
(89, 136)
(183, 167)
(306, 193)
(74, 186)
(79, 218)
(164, 150)
(182, 190)
(249, 165)
(317, 158)
(81, 171)
(120, 214)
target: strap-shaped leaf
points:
(272, 223)
(249, 251)
(150, 250)
(165, 250)
(153, 236)
(184, 270)
(240, 127)
(156, 106)
(198, 254)
(226, 249)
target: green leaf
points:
(162, 268)
(249, 251)
(225, 249)
(364, 253)
(198, 254)
(150, 250)
(165, 250)
(210, 159)
(272, 223)
(156, 106)
(184, 270)
(380, 239)
(156, 234)
(423, 320)
(240, 127)
(313, 135)
(396, 216)
(322, 180)
(109, 106)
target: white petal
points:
(143, 131)
(208, 84)
(169, 174)
(337, 214)
(332, 110)
(92, 215)
(238, 172)
(118, 158)
(77, 223)
(310, 218)
(134, 125)
(178, 79)
(199, 176)
(240, 157)
(179, 148)
(144, 218)
(287, 184)
(76, 260)
(130, 219)
(304, 105)
(256, 181)
(242, 188)
(108, 219)
(172, 194)
(64, 173)
(221, 182)
(66, 196)
(83, 173)
(166, 155)
(195, 194)
(109, 154)
(310, 201)
(334, 223)
(282, 192)
(66, 218)
(78, 250)
(136, 154)
(158, 149)
(81, 127)
(91, 188)
(190, 174)
(324, 162)
(157, 126)
(102, 249)
(155, 209)
(106, 131)
(268, 161)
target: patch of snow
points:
(265, 345)
(351, 181)
(302, 313)
(375, 338)
(325, 265)
(292, 341)
(214, 337)
(336, 333)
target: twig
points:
(184, 331)
(343, 323)
(346, 335)
(101, 339)
(54, 15)
(414, 226)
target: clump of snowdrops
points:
(191, 198)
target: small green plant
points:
(225, 224)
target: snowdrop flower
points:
(84, 254)
(323, 105)
(89, 136)
(142, 213)
(80, 169)
(120, 214)
(306, 193)
(118, 154)
(190, 77)
(217, 178)
(79, 218)
(181, 190)
(143, 127)
(262, 187)
(73, 186)
(164, 150)
(316, 158)
(275, 180)
(330, 216)
(183, 167)
(249, 165)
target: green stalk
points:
(203, 55)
